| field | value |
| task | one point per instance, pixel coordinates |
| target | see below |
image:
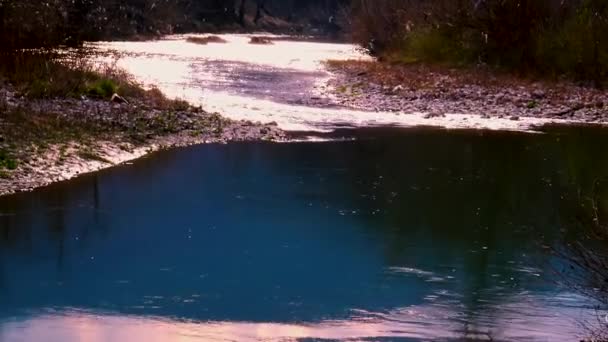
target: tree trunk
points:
(241, 12)
(3, 40)
(261, 10)
(595, 30)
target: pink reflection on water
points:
(532, 318)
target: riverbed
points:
(285, 82)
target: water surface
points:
(285, 82)
(400, 235)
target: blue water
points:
(398, 235)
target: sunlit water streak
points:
(282, 83)
(437, 321)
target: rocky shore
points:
(437, 92)
(49, 140)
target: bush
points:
(7, 161)
(576, 48)
(547, 37)
(103, 88)
(434, 45)
(44, 74)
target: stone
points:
(260, 41)
(538, 94)
(434, 115)
(118, 99)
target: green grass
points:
(4, 174)
(103, 88)
(567, 44)
(430, 45)
(532, 105)
(7, 161)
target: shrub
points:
(103, 88)
(547, 37)
(576, 48)
(7, 161)
(45, 74)
(435, 45)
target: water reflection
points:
(414, 323)
(284, 82)
(340, 240)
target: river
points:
(393, 234)
(285, 83)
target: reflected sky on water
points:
(372, 239)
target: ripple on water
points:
(284, 83)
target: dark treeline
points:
(49, 23)
(550, 37)
(547, 37)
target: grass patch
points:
(5, 174)
(42, 128)
(7, 161)
(532, 104)
(34, 128)
(103, 88)
(46, 74)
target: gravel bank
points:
(439, 91)
(46, 141)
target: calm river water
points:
(400, 235)
(390, 235)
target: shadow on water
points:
(426, 233)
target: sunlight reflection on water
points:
(283, 82)
(438, 321)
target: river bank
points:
(438, 92)
(46, 137)
(43, 141)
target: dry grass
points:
(45, 74)
(48, 107)
(422, 76)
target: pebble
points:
(447, 95)
(182, 128)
